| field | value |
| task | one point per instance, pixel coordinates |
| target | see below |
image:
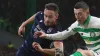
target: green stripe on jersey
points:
(96, 49)
(91, 38)
(87, 30)
(98, 43)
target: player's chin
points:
(47, 24)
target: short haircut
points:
(52, 6)
(82, 5)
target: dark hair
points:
(52, 6)
(82, 5)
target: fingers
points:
(37, 34)
(21, 31)
(40, 34)
(35, 45)
(20, 34)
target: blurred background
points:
(14, 12)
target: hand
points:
(37, 46)
(21, 30)
(40, 34)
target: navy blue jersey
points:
(40, 26)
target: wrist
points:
(42, 50)
(47, 36)
(23, 24)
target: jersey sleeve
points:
(62, 35)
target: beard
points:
(49, 23)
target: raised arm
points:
(22, 27)
(60, 35)
(57, 36)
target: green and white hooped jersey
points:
(90, 31)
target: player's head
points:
(50, 14)
(81, 11)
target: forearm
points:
(59, 36)
(49, 51)
(31, 19)
(57, 44)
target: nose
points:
(78, 17)
(47, 19)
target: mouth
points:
(47, 23)
(79, 20)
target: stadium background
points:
(14, 12)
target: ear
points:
(57, 15)
(88, 12)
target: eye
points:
(45, 15)
(80, 13)
(50, 16)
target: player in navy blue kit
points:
(43, 21)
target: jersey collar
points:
(87, 20)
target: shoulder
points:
(95, 21)
(74, 24)
(39, 13)
(39, 16)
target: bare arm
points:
(60, 35)
(31, 19)
(57, 36)
(22, 27)
(49, 51)
(57, 44)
